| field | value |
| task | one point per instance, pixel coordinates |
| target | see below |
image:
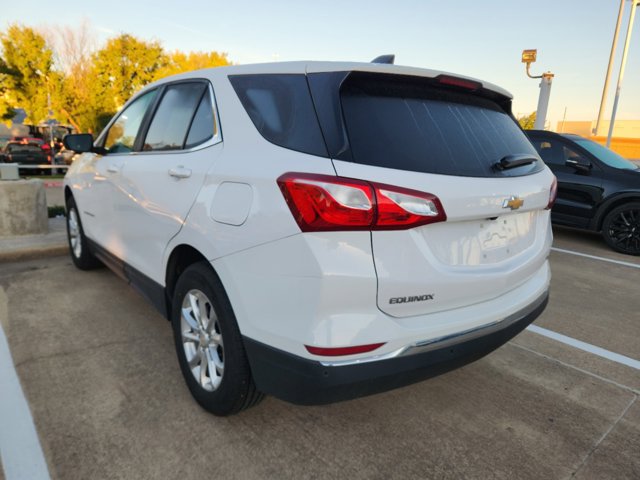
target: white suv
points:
(318, 231)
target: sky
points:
(482, 39)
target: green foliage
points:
(26, 66)
(527, 121)
(56, 211)
(6, 109)
(123, 67)
(96, 89)
(86, 87)
(179, 62)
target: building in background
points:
(625, 140)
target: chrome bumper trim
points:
(447, 340)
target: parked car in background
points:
(318, 231)
(598, 190)
(3, 142)
(64, 156)
(27, 152)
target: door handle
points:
(113, 168)
(180, 172)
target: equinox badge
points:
(513, 202)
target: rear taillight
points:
(400, 208)
(328, 203)
(320, 203)
(553, 193)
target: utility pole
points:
(529, 57)
(614, 44)
(564, 117)
(543, 100)
(621, 74)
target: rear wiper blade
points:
(517, 160)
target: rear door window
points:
(408, 126)
(203, 126)
(173, 117)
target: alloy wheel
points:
(74, 233)
(202, 340)
(624, 230)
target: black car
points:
(26, 153)
(598, 189)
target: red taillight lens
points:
(400, 208)
(334, 352)
(322, 203)
(553, 193)
(326, 203)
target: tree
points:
(73, 49)
(527, 121)
(27, 74)
(7, 111)
(85, 87)
(71, 46)
(124, 66)
(179, 62)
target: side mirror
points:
(79, 143)
(580, 164)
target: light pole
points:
(529, 57)
(623, 64)
(614, 44)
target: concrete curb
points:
(27, 247)
(33, 253)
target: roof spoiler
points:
(389, 59)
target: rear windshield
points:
(408, 125)
(23, 148)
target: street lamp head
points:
(529, 56)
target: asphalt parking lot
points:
(98, 368)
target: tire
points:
(206, 333)
(78, 245)
(621, 228)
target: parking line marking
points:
(20, 448)
(577, 369)
(595, 257)
(587, 347)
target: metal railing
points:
(54, 168)
(43, 166)
(12, 171)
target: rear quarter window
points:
(281, 109)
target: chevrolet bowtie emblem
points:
(512, 202)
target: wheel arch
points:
(612, 203)
(181, 257)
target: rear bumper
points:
(308, 382)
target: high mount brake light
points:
(329, 203)
(553, 193)
(458, 82)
